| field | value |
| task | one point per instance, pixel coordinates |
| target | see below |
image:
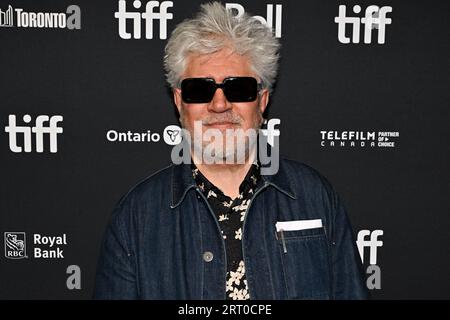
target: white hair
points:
(215, 28)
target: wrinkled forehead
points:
(218, 65)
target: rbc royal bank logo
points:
(15, 245)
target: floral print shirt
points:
(230, 213)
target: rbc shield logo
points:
(15, 245)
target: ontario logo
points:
(15, 245)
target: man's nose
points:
(219, 103)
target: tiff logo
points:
(375, 17)
(6, 18)
(372, 244)
(39, 130)
(149, 16)
(373, 271)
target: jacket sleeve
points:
(348, 280)
(116, 272)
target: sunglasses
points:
(236, 89)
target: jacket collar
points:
(182, 181)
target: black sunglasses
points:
(236, 89)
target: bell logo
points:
(375, 18)
(39, 130)
(272, 20)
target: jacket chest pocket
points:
(306, 261)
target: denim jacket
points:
(164, 241)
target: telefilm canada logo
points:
(154, 15)
(20, 18)
(358, 139)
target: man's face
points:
(219, 113)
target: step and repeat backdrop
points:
(85, 113)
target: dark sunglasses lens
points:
(241, 89)
(197, 90)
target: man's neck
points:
(226, 177)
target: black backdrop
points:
(98, 82)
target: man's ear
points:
(263, 100)
(177, 98)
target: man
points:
(220, 229)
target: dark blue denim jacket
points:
(154, 245)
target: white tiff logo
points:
(149, 16)
(375, 17)
(373, 271)
(39, 129)
(372, 244)
(230, 146)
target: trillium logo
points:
(172, 135)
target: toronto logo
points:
(18, 17)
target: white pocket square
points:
(296, 225)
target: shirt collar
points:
(250, 180)
(182, 181)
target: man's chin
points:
(225, 129)
(220, 155)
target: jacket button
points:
(208, 256)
